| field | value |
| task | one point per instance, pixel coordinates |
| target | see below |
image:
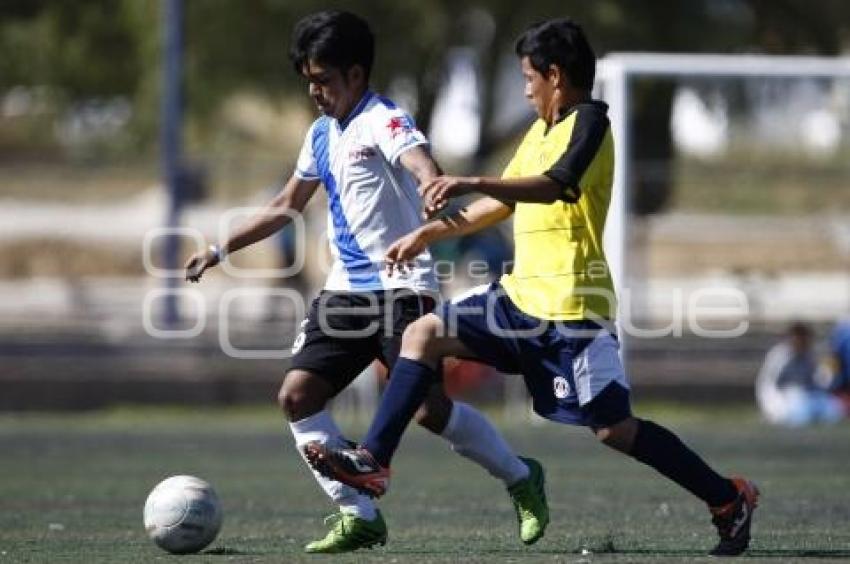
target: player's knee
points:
(619, 436)
(434, 413)
(420, 337)
(290, 402)
(604, 434)
(427, 419)
(295, 398)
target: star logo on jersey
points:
(399, 124)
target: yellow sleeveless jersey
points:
(560, 271)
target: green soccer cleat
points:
(349, 533)
(529, 498)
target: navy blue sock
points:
(408, 387)
(661, 449)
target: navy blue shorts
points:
(572, 369)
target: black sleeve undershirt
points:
(588, 132)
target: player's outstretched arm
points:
(534, 189)
(478, 215)
(269, 220)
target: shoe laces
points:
(336, 522)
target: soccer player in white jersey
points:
(370, 157)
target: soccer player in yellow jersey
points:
(552, 318)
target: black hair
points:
(335, 38)
(559, 42)
(799, 329)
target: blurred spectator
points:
(791, 387)
(839, 345)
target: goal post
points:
(616, 74)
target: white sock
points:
(322, 428)
(362, 506)
(474, 437)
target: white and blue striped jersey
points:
(372, 199)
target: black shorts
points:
(345, 331)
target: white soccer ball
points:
(182, 514)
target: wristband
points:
(217, 252)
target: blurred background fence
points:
(735, 183)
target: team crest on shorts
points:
(299, 340)
(562, 387)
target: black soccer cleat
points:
(353, 466)
(734, 519)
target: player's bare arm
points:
(534, 189)
(266, 222)
(478, 215)
(421, 164)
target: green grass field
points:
(72, 489)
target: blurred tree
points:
(239, 45)
(100, 48)
(771, 26)
(80, 51)
(797, 26)
(72, 47)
